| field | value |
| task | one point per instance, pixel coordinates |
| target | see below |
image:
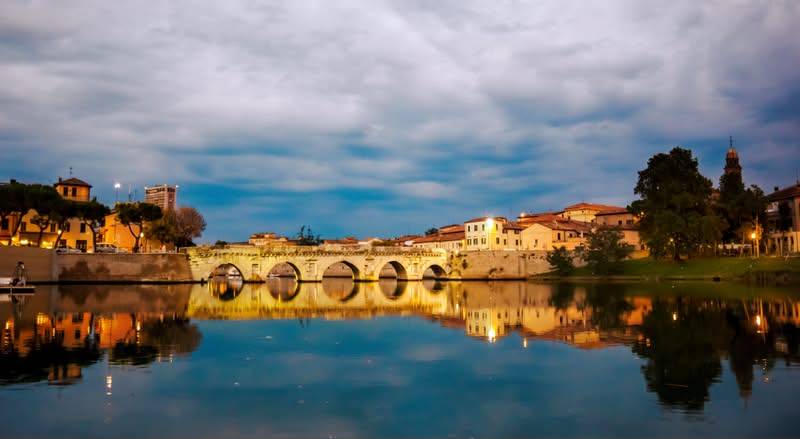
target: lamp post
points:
(116, 189)
(755, 249)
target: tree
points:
(92, 214)
(561, 260)
(674, 206)
(306, 237)
(741, 208)
(48, 205)
(606, 251)
(190, 225)
(164, 229)
(431, 231)
(136, 214)
(13, 201)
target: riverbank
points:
(765, 270)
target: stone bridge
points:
(312, 300)
(309, 264)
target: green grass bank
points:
(765, 269)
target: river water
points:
(397, 359)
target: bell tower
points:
(732, 165)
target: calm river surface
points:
(389, 359)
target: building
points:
(450, 238)
(267, 239)
(492, 233)
(586, 212)
(783, 220)
(73, 232)
(546, 231)
(162, 196)
(625, 222)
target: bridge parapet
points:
(310, 263)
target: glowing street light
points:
(116, 188)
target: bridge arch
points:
(338, 269)
(434, 271)
(283, 268)
(399, 270)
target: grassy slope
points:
(725, 268)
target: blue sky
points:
(382, 118)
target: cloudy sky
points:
(382, 118)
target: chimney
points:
(776, 189)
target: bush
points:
(561, 261)
(606, 251)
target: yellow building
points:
(549, 231)
(74, 232)
(492, 233)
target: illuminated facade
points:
(74, 233)
(492, 233)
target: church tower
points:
(732, 162)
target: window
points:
(74, 192)
(64, 191)
(629, 222)
(62, 243)
(483, 226)
(52, 228)
(66, 227)
(4, 224)
(467, 228)
(83, 227)
(77, 334)
(559, 236)
(497, 240)
(81, 244)
(619, 223)
(483, 240)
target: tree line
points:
(141, 219)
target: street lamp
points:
(116, 188)
(753, 237)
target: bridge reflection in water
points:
(333, 298)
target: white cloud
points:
(309, 97)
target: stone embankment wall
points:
(39, 263)
(43, 265)
(498, 264)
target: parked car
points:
(108, 248)
(67, 249)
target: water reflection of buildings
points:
(54, 334)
